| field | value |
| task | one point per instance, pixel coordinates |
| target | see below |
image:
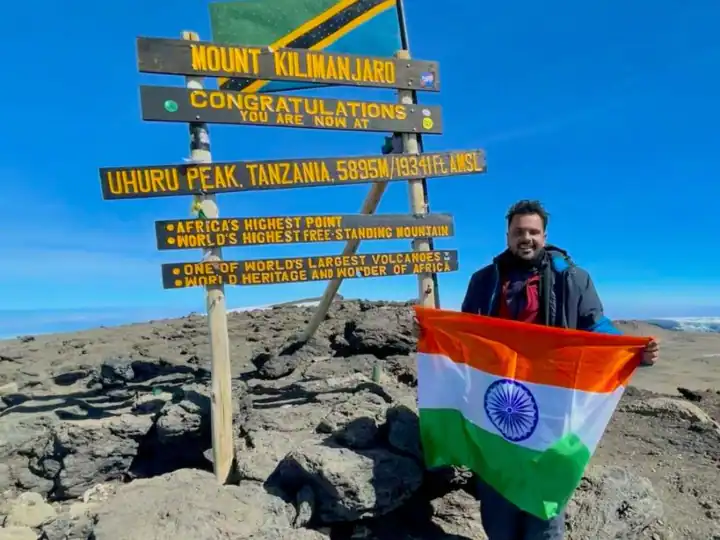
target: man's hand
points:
(650, 354)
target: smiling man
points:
(534, 282)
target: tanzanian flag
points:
(368, 27)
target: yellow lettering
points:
(431, 267)
(319, 222)
(192, 240)
(266, 277)
(439, 164)
(372, 271)
(252, 238)
(286, 173)
(289, 119)
(212, 177)
(475, 163)
(422, 231)
(279, 61)
(201, 281)
(137, 181)
(406, 258)
(363, 233)
(323, 273)
(342, 67)
(333, 67)
(292, 110)
(228, 60)
(330, 122)
(198, 99)
(319, 235)
(210, 268)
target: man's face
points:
(526, 236)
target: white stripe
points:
(443, 384)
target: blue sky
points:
(606, 111)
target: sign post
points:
(426, 283)
(202, 179)
(369, 207)
(221, 404)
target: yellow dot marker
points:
(176, 271)
(171, 241)
(178, 282)
(170, 227)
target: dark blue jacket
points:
(567, 295)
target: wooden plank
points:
(221, 376)
(256, 231)
(140, 182)
(178, 57)
(426, 283)
(303, 269)
(173, 104)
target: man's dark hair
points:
(526, 208)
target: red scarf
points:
(529, 300)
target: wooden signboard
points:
(174, 104)
(257, 231)
(203, 59)
(291, 61)
(227, 177)
(302, 269)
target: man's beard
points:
(526, 251)
(533, 261)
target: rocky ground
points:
(104, 435)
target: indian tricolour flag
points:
(523, 406)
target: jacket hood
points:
(555, 251)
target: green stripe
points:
(260, 23)
(540, 483)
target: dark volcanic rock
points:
(321, 450)
(356, 422)
(190, 504)
(611, 503)
(20, 438)
(381, 337)
(403, 428)
(80, 454)
(350, 485)
(293, 354)
(116, 371)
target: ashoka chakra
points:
(512, 409)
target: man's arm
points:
(476, 293)
(591, 316)
(469, 304)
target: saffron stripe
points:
(531, 353)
